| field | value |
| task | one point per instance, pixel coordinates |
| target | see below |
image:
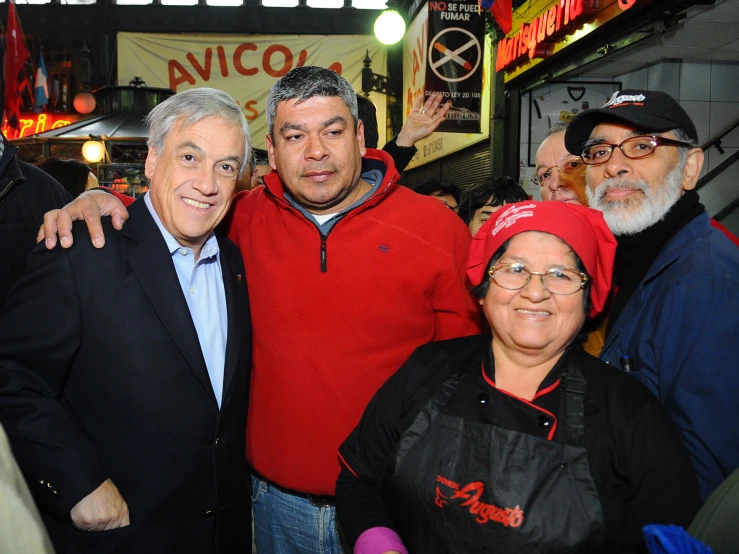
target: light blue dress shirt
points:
(202, 285)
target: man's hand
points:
(89, 206)
(102, 509)
(422, 121)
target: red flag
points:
(502, 11)
(16, 79)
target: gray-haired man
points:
(124, 371)
(676, 280)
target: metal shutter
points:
(414, 177)
(464, 168)
(468, 167)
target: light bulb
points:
(93, 151)
(389, 27)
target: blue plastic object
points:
(672, 539)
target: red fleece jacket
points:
(324, 341)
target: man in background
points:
(479, 202)
(26, 194)
(260, 167)
(559, 174)
(448, 193)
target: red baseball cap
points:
(583, 229)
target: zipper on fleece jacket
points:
(324, 268)
(324, 238)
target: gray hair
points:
(306, 82)
(557, 128)
(192, 106)
(682, 136)
(682, 152)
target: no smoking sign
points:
(458, 47)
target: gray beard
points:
(634, 214)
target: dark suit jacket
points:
(101, 375)
(26, 194)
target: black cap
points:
(649, 110)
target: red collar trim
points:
(539, 393)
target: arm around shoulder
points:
(89, 206)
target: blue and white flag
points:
(41, 86)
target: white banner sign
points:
(245, 66)
(415, 59)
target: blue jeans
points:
(287, 524)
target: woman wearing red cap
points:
(520, 442)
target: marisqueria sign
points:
(555, 25)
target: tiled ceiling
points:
(707, 33)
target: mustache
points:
(319, 169)
(618, 184)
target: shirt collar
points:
(210, 246)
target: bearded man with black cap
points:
(675, 312)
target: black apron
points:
(462, 486)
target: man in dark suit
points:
(124, 371)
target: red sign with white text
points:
(553, 28)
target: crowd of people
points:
(354, 366)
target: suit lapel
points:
(233, 279)
(152, 264)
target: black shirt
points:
(639, 466)
(402, 155)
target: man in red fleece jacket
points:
(347, 273)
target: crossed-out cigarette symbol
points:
(454, 55)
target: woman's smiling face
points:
(532, 320)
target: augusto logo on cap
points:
(619, 98)
(511, 215)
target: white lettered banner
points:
(246, 66)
